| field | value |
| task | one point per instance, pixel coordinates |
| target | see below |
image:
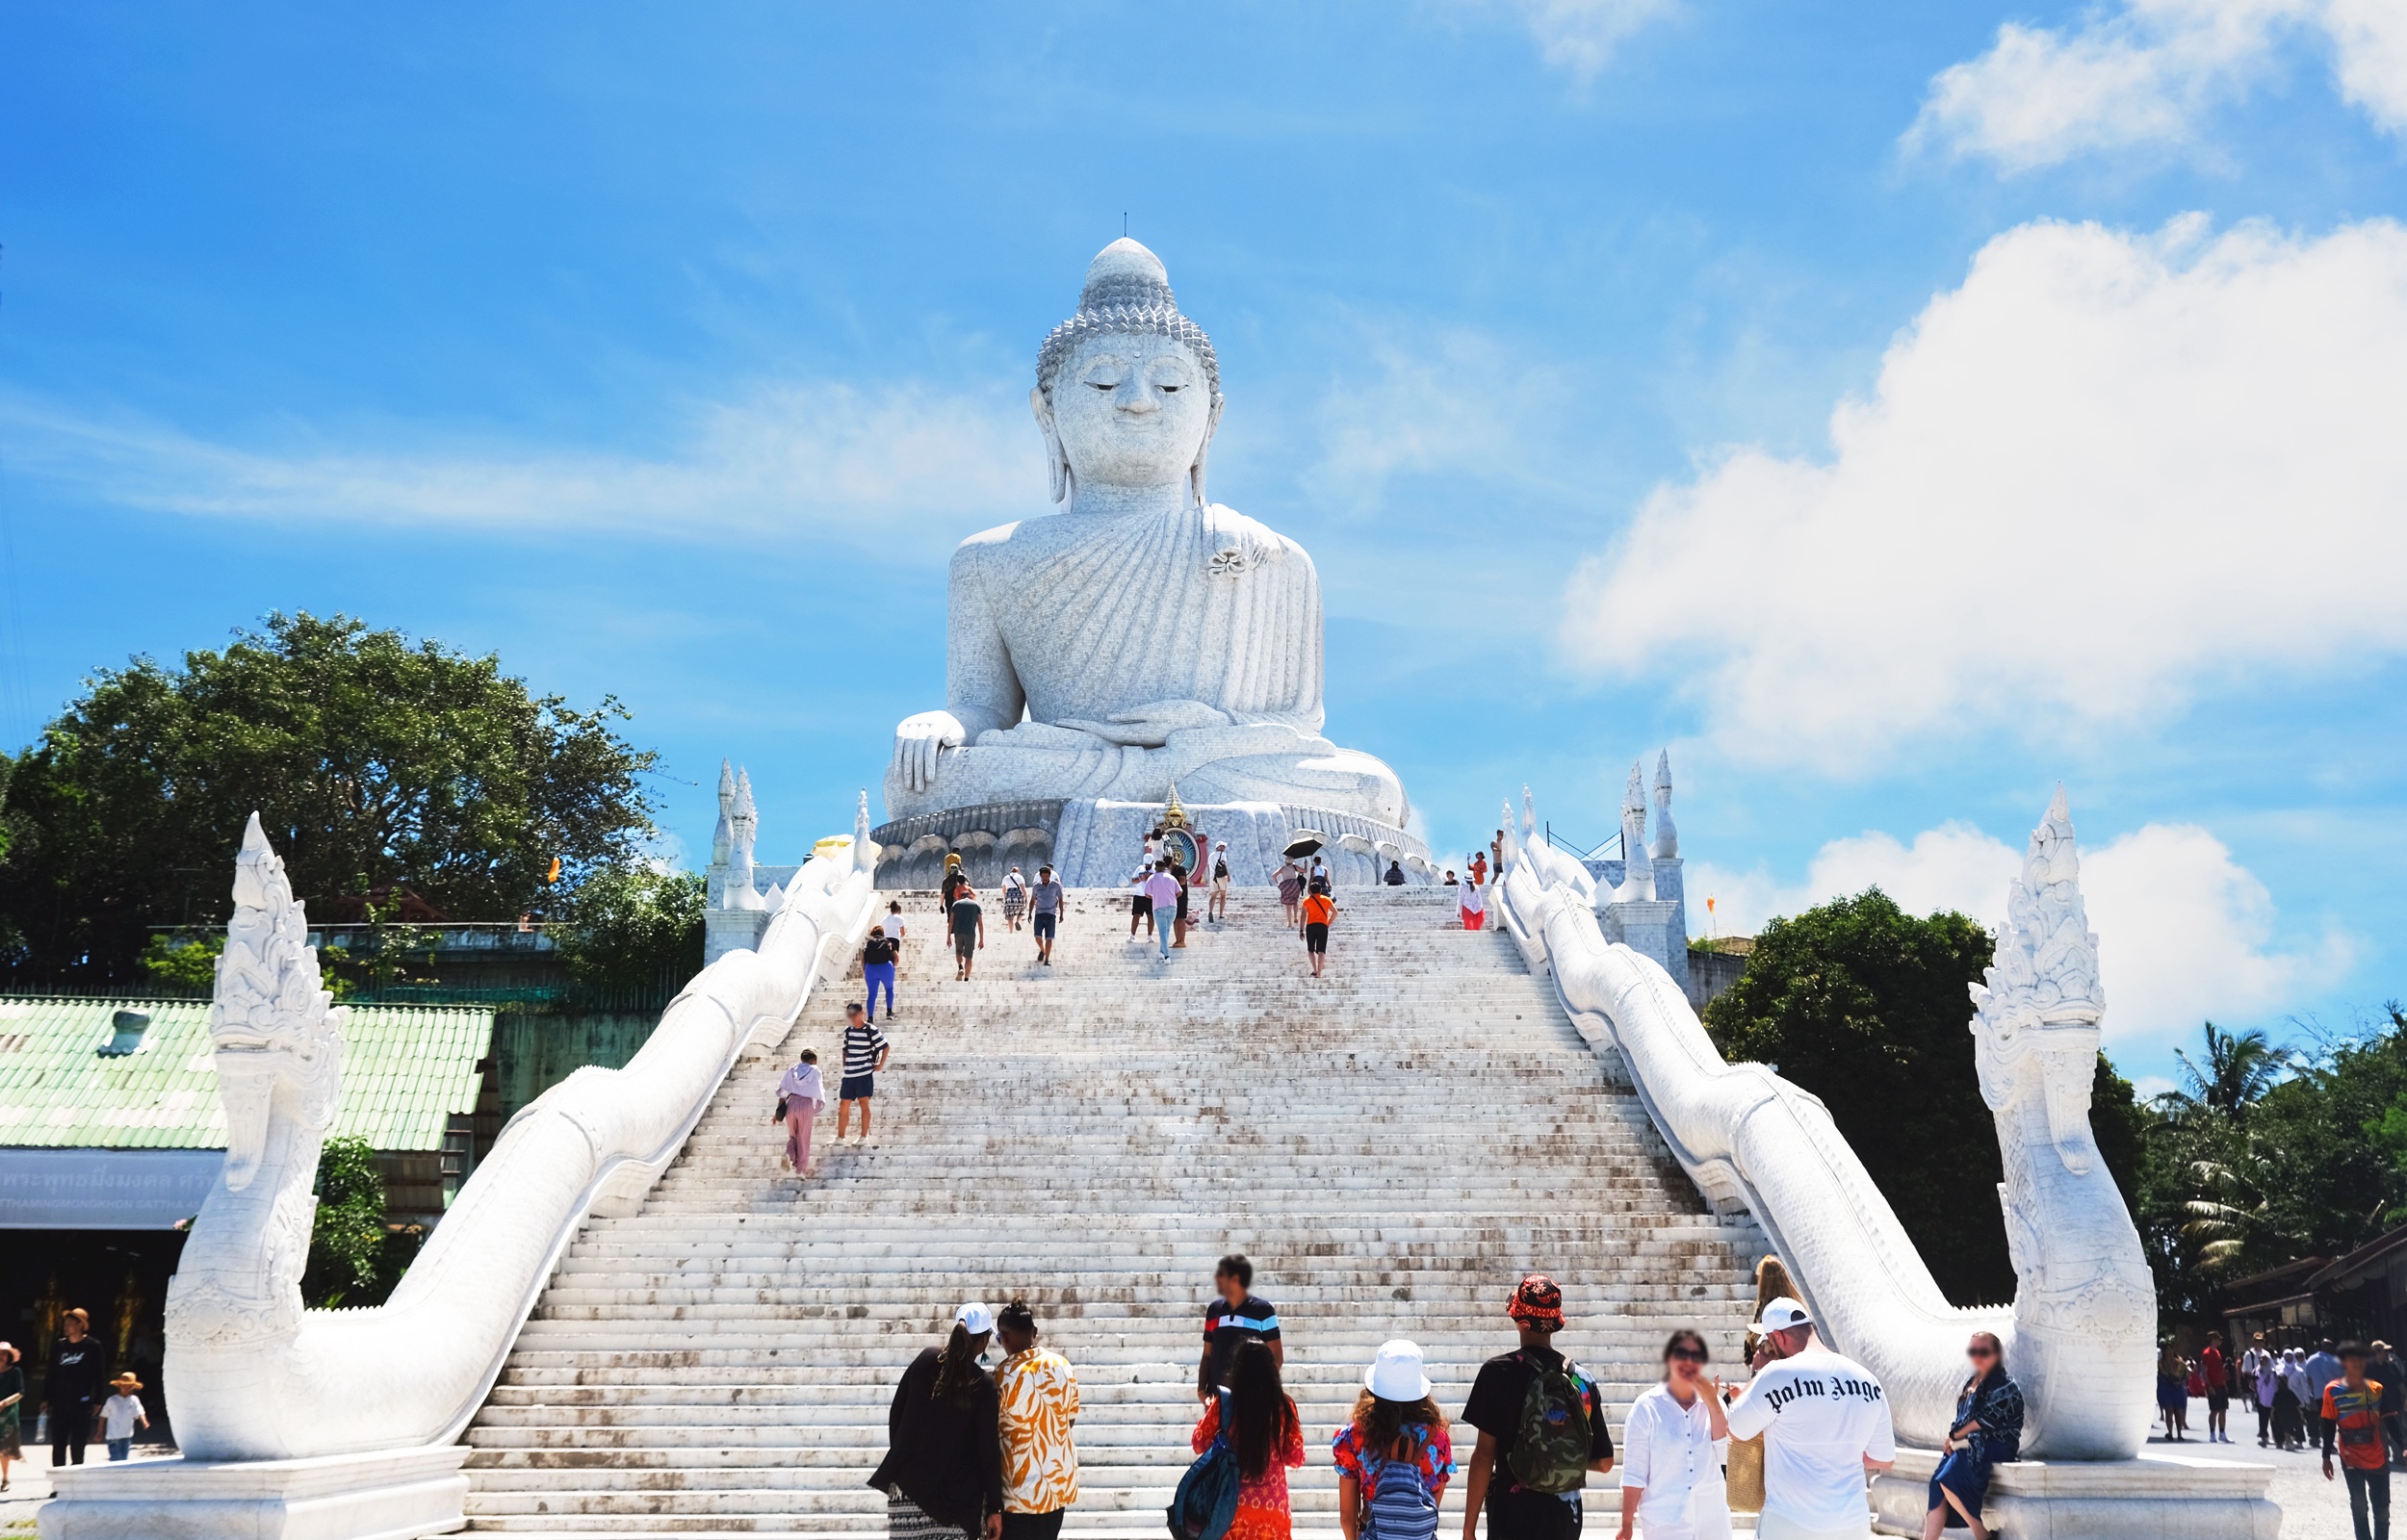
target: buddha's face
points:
(1129, 411)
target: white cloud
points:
(1580, 35)
(2109, 472)
(893, 464)
(2148, 73)
(2185, 932)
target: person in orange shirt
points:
(2352, 1418)
(1319, 910)
(1039, 1393)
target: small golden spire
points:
(1175, 817)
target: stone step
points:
(1393, 1146)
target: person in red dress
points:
(1268, 1436)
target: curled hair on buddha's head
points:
(1126, 291)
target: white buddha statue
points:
(1142, 635)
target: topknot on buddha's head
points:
(1126, 291)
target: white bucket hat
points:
(974, 1319)
(1396, 1375)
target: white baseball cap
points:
(974, 1319)
(1785, 1313)
(1397, 1375)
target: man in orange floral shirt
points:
(1040, 1404)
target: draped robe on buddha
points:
(1072, 618)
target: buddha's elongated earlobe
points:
(1056, 464)
(1203, 452)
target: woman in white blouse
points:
(1673, 1449)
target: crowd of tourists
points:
(980, 1455)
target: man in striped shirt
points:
(866, 1050)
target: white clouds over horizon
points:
(2186, 933)
(2148, 73)
(902, 464)
(2109, 472)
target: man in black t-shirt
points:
(968, 924)
(1236, 1315)
(1514, 1512)
(70, 1391)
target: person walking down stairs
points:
(968, 925)
(1267, 1435)
(1039, 1406)
(1393, 1457)
(800, 1095)
(1047, 899)
(943, 1475)
(865, 1052)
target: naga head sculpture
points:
(2036, 1033)
(277, 1034)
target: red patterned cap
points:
(1538, 1302)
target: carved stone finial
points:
(277, 1046)
(1638, 872)
(2037, 1025)
(1529, 815)
(744, 823)
(1667, 837)
(723, 834)
(861, 859)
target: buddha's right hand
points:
(919, 739)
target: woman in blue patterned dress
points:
(1986, 1430)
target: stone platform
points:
(1095, 843)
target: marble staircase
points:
(1393, 1146)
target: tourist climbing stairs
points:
(1393, 1146)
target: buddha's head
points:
(1127, 390)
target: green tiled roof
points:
(407, 1068)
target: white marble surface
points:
(1143, 636)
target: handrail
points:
(252, 1377)
(2081, 1333)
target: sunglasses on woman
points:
(1981, 1352)
(1687, 1355)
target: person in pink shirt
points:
(1163, 890)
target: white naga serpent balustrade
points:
(2082, 1330)
(326, 1423)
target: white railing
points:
(2079, 1336)
(252, 1375)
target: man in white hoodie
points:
(1824, 1422)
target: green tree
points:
(348, 1239)
(632, 928)
(371, 758)
(2234, 1074)
(11, 937)
(1867, 1006)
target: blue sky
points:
(1891, 408)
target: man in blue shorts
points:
(1045, 901)
(866, 1051)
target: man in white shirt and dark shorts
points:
(1824, 1422)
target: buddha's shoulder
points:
(1230, 530)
